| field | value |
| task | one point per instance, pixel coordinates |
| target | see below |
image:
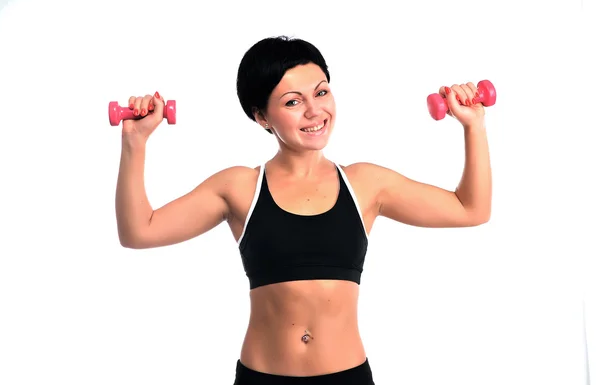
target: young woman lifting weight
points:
(301, 221)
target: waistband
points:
(359, 375)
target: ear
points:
(260, 118)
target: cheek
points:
(331, 108)
(330, 104)
(289, 120)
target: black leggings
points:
(359, 375)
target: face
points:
(301, 109)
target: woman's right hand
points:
(150, 108)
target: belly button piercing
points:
(306, 336)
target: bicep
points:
(189, 216)
(419, 204)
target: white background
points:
(501, 303)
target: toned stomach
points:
(281, 313)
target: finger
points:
(159, 104)
(137, 106)
(473, 88)
(131, 102)
(469, 94)
(144, 106)
(452, 98)
(445, 92)
(460, 93)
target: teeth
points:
(313, 129)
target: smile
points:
(314, 129)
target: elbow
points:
(130, 241)
(129, 244)
(475, 214)
(480, 219)
(473, 217)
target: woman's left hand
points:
(461, 106)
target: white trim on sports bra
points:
(351, 190)
(254, 200)
(257, 193)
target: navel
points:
(307, 336)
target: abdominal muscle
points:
(282, 313)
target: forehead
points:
(301, 78)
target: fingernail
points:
(457, 98)
(473, 101)
(447, 89)
(477, 94)
(131, 106)
(157, 95)
(143, 111)
(136, 112)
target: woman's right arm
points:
(139, 225)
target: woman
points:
(301, 221)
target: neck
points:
(304, 164)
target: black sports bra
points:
(278, 246)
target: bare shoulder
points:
(227, 184)
(237, 171)
(375, 181)
(366, 180)
(237, 186)
(365, 173)
(360, 167)
(233, 173)
(232, 178)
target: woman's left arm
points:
(404, 200)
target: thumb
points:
(159, 107)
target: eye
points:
(289, 104)
(322, 93)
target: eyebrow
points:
(299, 93)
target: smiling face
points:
(301, 109)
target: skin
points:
(302, 181)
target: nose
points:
(313, 109)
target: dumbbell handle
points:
(438, 106)
(117, 113)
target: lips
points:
(315, 128)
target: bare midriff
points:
(324, 312)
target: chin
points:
(313, 147)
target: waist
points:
(303, 328)
(284, 352)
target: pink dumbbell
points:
(117, 113)
(438, 107)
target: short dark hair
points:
(265, 63)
